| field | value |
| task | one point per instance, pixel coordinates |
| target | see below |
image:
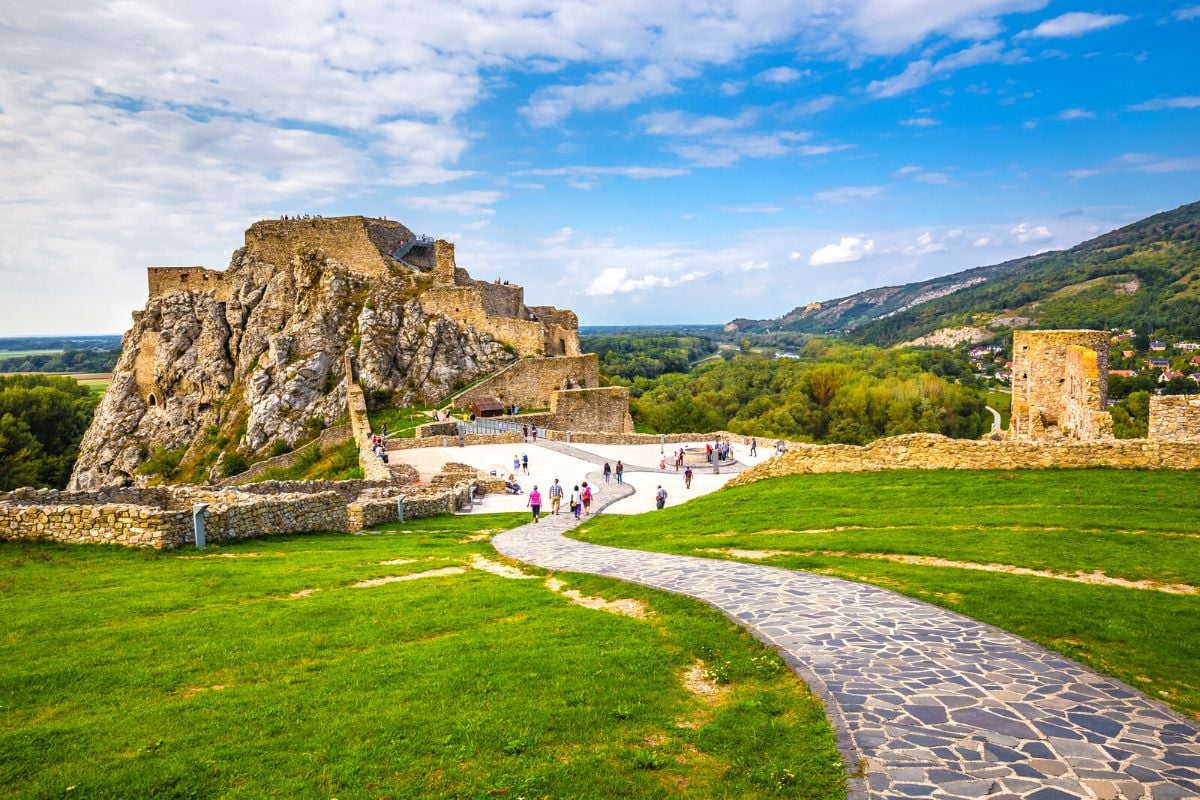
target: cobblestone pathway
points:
(927, 702)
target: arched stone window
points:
(152, 400)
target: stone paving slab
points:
(929, 703)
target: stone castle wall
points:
(529, 383)
(357, 243)
(163, 280)
(1084, 416)
(1175, 418)
(600, 409)
(933, 451)
(1057, 390)
(466, 305)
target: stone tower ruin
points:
(1060, 385)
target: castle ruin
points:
(1060, 385)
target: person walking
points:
(516, 464)
(576, 503)
(525, 462)
(754, 447)
(620, 472)
(556, 494)
(662, 463)
(586, 497)
(660, 498)
(607, 472)
(687, 478)
(535, 503)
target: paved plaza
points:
(926, 703)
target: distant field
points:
(96, 381)
(23, 353)
(1101, 565)
(386, 665)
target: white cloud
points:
(1074, 23)
(782, 75)
(984, 241)
(888, 26)
(845, 194)
(604, 91)
(1171, 165)
(1190, 101)
(681, 123)
(919, 122)
(616, 280)
(727, 150)
(1075, 113)
(1080, 174)
(752, 266)
(560, 236)
(1026, 232)
(934, 178)
(1186, 13)
(911, 169)
(732, 88)
(754, 208)
(925, 245)
(919, 73)
(467, 204)
(848, 249)
(816, 104)
(795, 255)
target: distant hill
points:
(1144, 276)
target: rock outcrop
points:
(225, 362)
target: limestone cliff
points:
(225, 362)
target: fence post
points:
(198, 523)
(400, 508)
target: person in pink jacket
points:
(535, 503)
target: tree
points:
(55, 413)
(20, 454)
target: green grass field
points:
(401, 422)
(25, 353)
(143, 674)
(1002, 402)
(883, 528)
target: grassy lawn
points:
(1131, 525)
(401, 422)
(141, 674)
(1002, 402)
(318, 463)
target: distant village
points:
(1135, 362)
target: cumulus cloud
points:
(925, 245)
(1162, 103)
(616, 280)
(1074, 23)
(1027, 232)
(984, 241)
(782, 75)
(848, 249)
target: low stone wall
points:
(261, 516)
(96, 523)
(932, 451)
(449, 428)
(1175, 418)
(452, 441)
(330, 437)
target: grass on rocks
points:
(1128, 525)
(258, 670)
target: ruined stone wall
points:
(1042, 392)
(444, 270)
(163, 280)
(933, 451)
(562, 330)
(529, 383)
(144, 369)
(1175, 418)
(357, 243)
(451, 440)
(1084, 416)
(100, 523)
(360, 428)
(601, 409)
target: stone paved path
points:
(731, 467)
(927, 702)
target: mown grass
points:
(1126, 524)
(138, 674)
(401, 422)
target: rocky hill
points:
(224, 363)
(1143, 276)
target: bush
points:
(233, 464)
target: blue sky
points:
(638, 161)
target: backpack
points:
(587, 495)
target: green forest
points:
(66, 361)
(640, 356)
(833, 392)
(42, 420)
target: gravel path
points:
(927, 702)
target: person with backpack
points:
(535, 503)
(586, 497)
(660, 498)
(687, 478)
(576, 505)
(525, 463)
